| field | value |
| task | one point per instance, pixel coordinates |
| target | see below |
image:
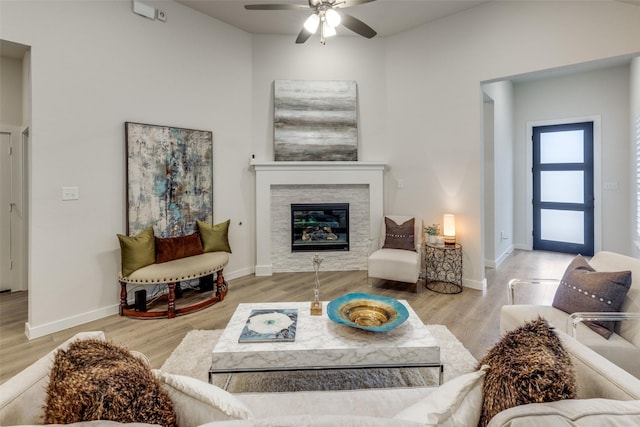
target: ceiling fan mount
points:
(325, 16)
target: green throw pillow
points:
(137, 251)
(215, 238)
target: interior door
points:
(563, 188)
(6, 280)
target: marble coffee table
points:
(322, 344)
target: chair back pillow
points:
(399, 236)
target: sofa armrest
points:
(517, 283)
(576, 318)
(22, 397)
(597, 376)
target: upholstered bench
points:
(173, 272)
(148, 260)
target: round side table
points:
(444, 268)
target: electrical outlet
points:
(70, 193)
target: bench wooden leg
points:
(171, 301)
(123, 298)
(221, 285)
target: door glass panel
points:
(562, 147)
(562, 226)
(562, 186)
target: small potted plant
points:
(432, 231)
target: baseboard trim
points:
(523, 246)
(33, 332)
(504, 256)
(264, 270)
(496, 263)
(238, 273)
(475, 284)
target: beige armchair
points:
(397, 252)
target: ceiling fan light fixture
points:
(312, 22)
(328, 30)
(332, 17)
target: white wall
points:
(488, 209)
(634, 95)
(95, 66)
(342, 58)
(499, 235)
(601, 93)
(435, 102)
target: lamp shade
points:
(312, 22)
(449, 229)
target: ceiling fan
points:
(325, 16)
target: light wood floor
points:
(471, 316)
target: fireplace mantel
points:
(269, 174)
(317, 166)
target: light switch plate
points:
(70, 193)
(144, 9)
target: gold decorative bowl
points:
(369, 312)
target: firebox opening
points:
(320, 227)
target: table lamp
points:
(449, 229)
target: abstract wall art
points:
(315, 120)
(169, 178)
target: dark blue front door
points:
(563, 188)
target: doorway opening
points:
(13, 218)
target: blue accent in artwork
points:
(336, 313)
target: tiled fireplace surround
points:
(278, 184)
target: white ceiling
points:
(386, 17)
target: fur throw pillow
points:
(528, 365)
(97, 380)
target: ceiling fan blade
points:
(303, 36)
(357, 26)
(282, 6)
(351, 3)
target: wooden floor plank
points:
(472, 316)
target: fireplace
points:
(319, 227)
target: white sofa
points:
(623, 347)
(605, 392)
